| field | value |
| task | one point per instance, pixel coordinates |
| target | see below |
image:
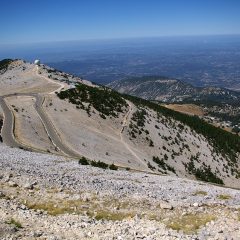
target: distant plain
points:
(201, 61)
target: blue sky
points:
(29, 21)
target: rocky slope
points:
(171, 90)
(48, 197)
(158, 139)
(103, 125)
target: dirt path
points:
(125, 124)
(61, 85)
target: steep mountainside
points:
(171, 90)
(58, 113)
(162, 140)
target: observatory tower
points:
(37, 62)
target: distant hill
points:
(171, 90)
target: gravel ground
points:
(49, 197)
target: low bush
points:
(83, 161)
(106, 101)
(99, 164)
(113, 167)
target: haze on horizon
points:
(59, 20)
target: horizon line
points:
(119, 38)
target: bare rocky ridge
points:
(47, 197)
(171, 90)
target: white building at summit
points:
(37, 62)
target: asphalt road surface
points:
(9, 123)
(50, 129)
(8, 126)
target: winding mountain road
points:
(61, 85)
(8, 127)
(9, 123)
(50, 129)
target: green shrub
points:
(163, 165)
(226, 143)
(14, 222)
(203, 173)
(151, 143)
(4, 64)
(106, 101)
(83, 161)
(139, 117)
(151, 166)
(113, 167)
(99, 164)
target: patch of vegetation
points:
(190, 223)
(140, 117)
(150, 166)
(235, 119)
(51, 70)
(197, 193)
(151, 143)
(113, 167)
(14, 222)
(53, 208)
(203, 173)
(4, 64)
(236, 129)
(95, 208)
(113, 216)
(83, 161)
(163, 165)
(99, 164)
(226, 143)
(106, 101)
(224, 197)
